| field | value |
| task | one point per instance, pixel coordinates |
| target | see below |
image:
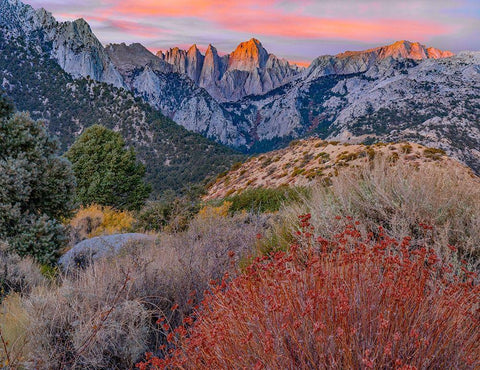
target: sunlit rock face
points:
(361, 61)
(248, 70)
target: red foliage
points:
(346, 303)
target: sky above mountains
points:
(298, 30)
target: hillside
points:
(306, 162)
(174, 157)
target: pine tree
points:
(36, 188)
(106, 170)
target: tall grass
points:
(105, 316)
(403, 199)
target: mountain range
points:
(249, 70)
(36, 72)
(253, 101)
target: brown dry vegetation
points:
(105, 316)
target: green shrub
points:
(347, 157)
(167, 215)
(264, 199)
(236, 166)
(433, 153)
(406, 148)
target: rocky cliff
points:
(176, 95)
(248, 70)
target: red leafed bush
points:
(346, 303)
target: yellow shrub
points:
(114, 222)
(96, 220)
(212, 212)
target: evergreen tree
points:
(36, 188)
(6, 106)
(107, 172)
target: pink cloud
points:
(296, 29)
(360, 30)
(269, 17)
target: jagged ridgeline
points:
(174, 156)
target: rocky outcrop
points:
(361, 61)
(249, 70)
(248, 56)
(195, 63)
(130, 57)
(177, 58)
(213, 69)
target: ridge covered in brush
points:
(306, 162)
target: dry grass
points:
(105, 316)
(17, 274)
(438, 205)
(18, 277)
(13, 330)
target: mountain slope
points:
(174, 156)
(403, 91)
(176, 95)
(307, 162)
(78, 52)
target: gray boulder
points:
(88, 250)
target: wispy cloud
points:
(296, 29)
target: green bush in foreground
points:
(36, 189)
